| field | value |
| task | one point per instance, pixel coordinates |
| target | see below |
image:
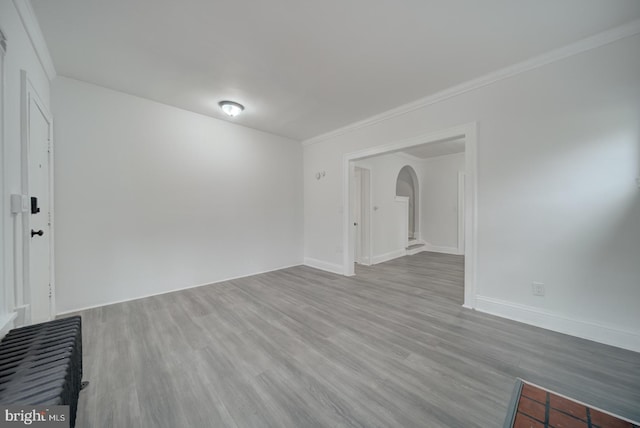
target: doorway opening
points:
(407, 186)
(455, 148)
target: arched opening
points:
(407, 186)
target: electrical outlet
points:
(537, 288)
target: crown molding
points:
(31, 26)
(627, 30)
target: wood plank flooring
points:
(390, 347)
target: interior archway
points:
(407, 185)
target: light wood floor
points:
(390, 347)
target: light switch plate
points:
(19, 203)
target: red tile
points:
(607, 421)
(531, 408)
(534, 393)
(568, 406)
(524, 421)
(560, 420)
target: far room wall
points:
(439, 202)
(388, 231)
(151, 198)
(557, 197)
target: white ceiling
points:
(439, 148)
(303, 68)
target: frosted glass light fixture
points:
(231, 108)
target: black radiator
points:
(41, 365)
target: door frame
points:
(7, 307)
(461, 211)
(28, 96)
(367, 231)
(469, 133)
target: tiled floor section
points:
(538, 408)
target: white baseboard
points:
(23, 315)
(174, 290)
(552, 321)
(322, 265)
(412, 251)
(444, 250)
(364, 261)
(6, 323)
(388, 256)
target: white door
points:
(357, 212)
(361, 208)
(39, 230)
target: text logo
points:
(34, 416)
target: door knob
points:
(39, 232)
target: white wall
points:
(388, 233)
(439, 197)
(558, 156)
(20, 55)
(151, 198)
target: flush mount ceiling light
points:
(231, 108)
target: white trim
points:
(467, 131)
(6, 323)
(174, 290)
(52, 259)
(592, 42)
(471, 214)
(366, 260)
(371, 217)
(420, 249)
(322, 265)
(4, 286)
(443, 250)
(388, 256)
(31, 26)
(28, 95)
(454, 132)
(461, 179)
(601, 333)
